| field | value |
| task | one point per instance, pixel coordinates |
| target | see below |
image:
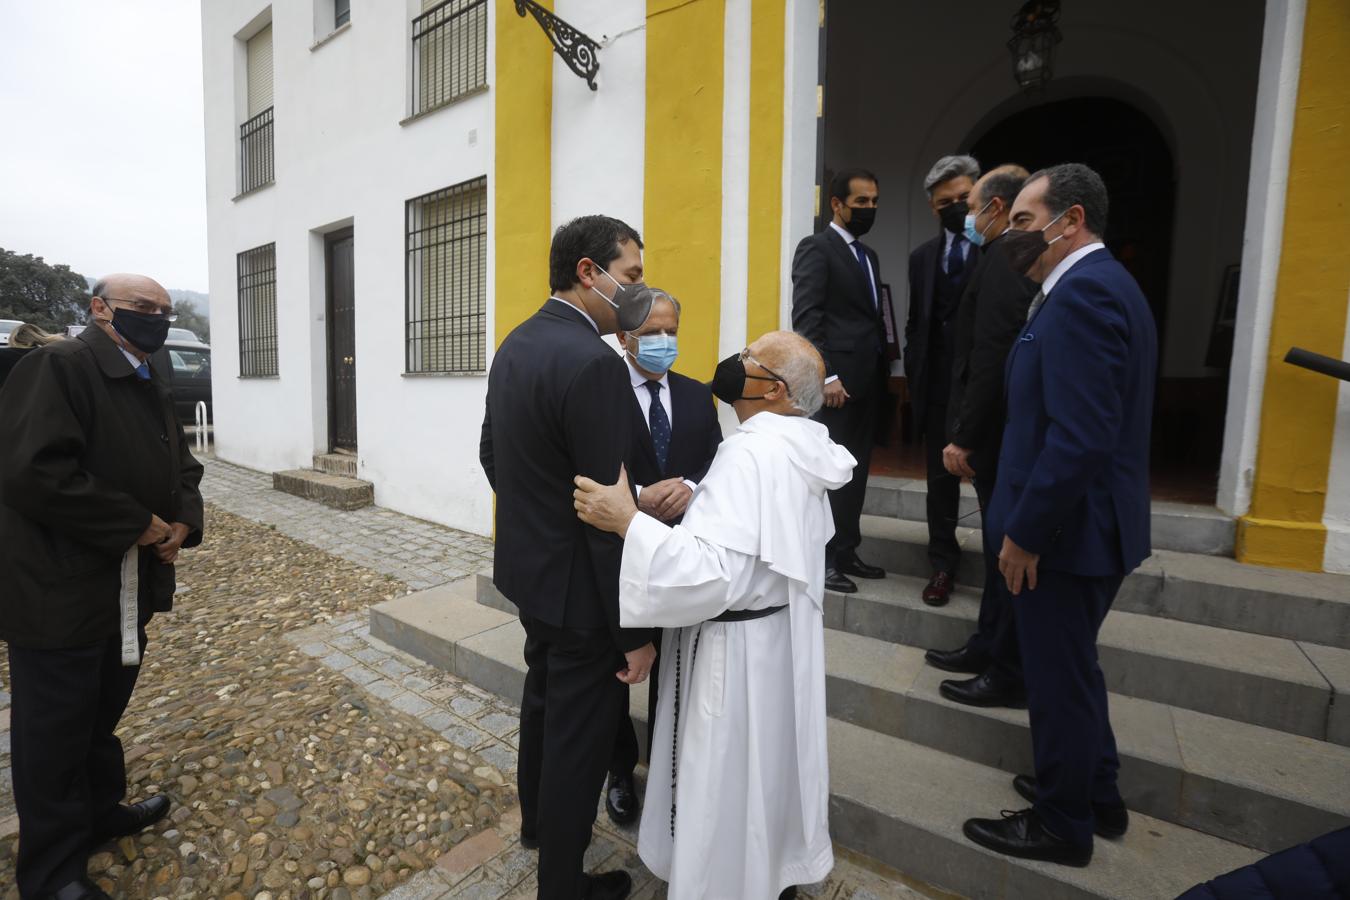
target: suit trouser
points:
(1071, 737)
(995, 634)
(569, 715)
(626, 752)
(944, 494)
(69, 771)
(853, 426)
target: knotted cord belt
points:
(731, 615)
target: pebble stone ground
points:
(307, 759)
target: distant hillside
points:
(201, 302)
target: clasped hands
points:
(666, 499)
(166, 539)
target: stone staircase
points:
(1230, 696)
(332, 482)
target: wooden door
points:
(341, 342)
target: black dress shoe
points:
(1110, 820)
(963, 659)
(529, 841)
(79, 889)
(939, 589)
(607, 886)
(125, 820)
(984, 690)
(855, 566)
(839, 583)
(1022, 834)
(789, 893)
(621, 800)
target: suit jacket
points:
(1073, 474)
(993, 311)
(90, 453)
(558, 404)
(924, 264)
(832, 307)
(694, 436)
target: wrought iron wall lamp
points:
(576, 49)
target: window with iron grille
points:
(342, 12)
(449, 46)
(257, 164)
(257, 273)
(446, 280)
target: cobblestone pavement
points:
(418, 553)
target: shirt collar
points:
(578, 309)
(640, 380)
(131, 357)
(1066, 264)
(843, 232)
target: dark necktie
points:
(1035, 304)
(955, 259)
(866, 269)
(659, 424)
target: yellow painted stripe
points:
(522, 182)
(682, 206)
(767, 24)
(1298, 409)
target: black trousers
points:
(69, 771)
(853, 426)
(626, 751)
(569, 716)
(944, 494)
(1071, 737)
(995, 634)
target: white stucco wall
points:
(342, 158)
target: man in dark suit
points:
(1071, 506)
(993, 311)
(558, 404)
(675, 437)
(98, 493)
(836, 304)
(938, 271)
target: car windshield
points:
(191, 363)
(183, 334)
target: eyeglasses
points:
(746, 357)
(144, 307)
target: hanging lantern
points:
(1033, 42)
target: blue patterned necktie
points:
(143, 371)
(955, 258)
(659, 424)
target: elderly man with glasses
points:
(98, 493)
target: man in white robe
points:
(738, 790)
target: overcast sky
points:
(101, 153)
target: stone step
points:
(337, 491)
(899, 802)
(1188, 587)
(1255, 786)
(336, 464)
(1182, 527)
(1292, 686)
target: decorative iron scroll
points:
(576, 49)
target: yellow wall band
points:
(1298, 409)
(767, 53)
(682, 178)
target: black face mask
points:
(1025, 247)
(728, 381)
(145, 332)
(862, 219)
(953, 216)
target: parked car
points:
(180, 335)
(74, 330)
(6, 326)
(190, 377)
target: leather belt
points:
(746, 615)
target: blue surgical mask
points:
(655, 352)
(976, 237)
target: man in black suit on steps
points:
(558, 403)
(675, 437)
(938, 271)
(836, 304)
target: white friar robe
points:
(751, 774)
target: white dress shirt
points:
(1066, 264)
(644, 399)
(578, 309)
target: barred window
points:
(257, 273)
(449, 52)
(446, 279)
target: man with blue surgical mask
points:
(675, 437)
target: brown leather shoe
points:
(939, 589)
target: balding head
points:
(136, 293)
(993, 196)
(795, 360)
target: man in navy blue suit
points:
(1071, 506)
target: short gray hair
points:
(950, 167)
(801, 374)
